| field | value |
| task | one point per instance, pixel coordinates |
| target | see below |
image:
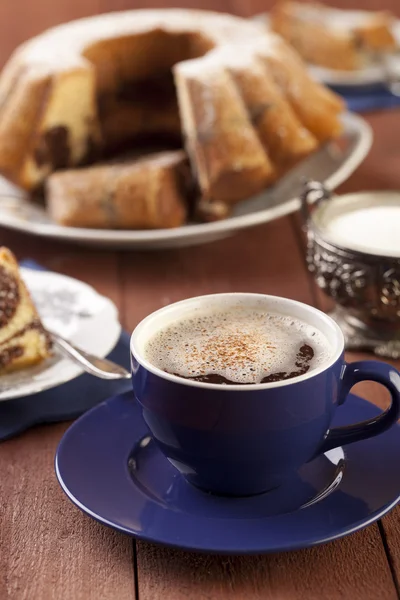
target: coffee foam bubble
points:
(243, 345)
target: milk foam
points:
(374, 228)
(243, 345)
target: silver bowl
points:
(364, 286)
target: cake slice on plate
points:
(333, 38)
(146, 192)
(23, 340)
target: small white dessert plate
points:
(75, 311)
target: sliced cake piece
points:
(317, 107)
(23, 340)
(225, 152)
(281, 132)
(374, 31)
(149, 192)
(337, 39)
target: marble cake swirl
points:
(23, 340)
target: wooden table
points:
(49, 550)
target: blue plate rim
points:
(239, 550)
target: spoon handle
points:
(99, 367)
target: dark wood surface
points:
(48, 549)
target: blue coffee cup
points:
(241, 440)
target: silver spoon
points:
(99, 367)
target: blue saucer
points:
(111, 469)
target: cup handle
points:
(313, 193)
(360, 371)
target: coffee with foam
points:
(238, 345)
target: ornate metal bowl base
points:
(365, 286)
(379, 338)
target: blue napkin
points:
(65, 402)
(367, 97)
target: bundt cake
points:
(51, 88)
(247, 109)
(248, 113)
(333, 38)
(23, 341)
(145, 193)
